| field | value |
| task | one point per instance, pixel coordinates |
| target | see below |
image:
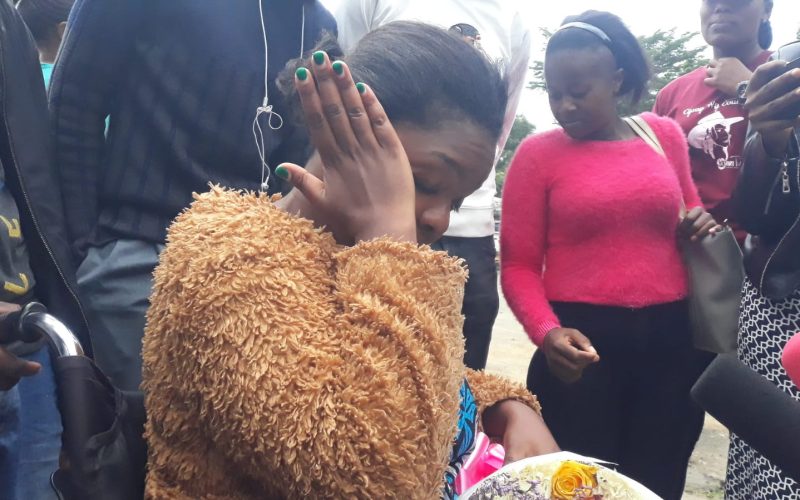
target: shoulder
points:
(667, 129)
(543, 144)
(674, 89)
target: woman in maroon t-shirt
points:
(708, 102)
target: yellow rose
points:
(573, 479)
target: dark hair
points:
(42, 16)
(422, 75)
(623, 45)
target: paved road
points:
(509, 356)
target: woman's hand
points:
(696, 224)
(769, 95)
(521, 430)
(725, 74)
(568, 353)
(367, 189)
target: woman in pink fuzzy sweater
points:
(591, 265)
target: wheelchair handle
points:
(33, 322)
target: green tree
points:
(671, 55)
(521, 129)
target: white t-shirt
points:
(504, 38)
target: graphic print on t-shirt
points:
(712, 135)
(16, 277)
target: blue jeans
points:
(40, 430)
(114, 281)
(30, 434)
(9, 446)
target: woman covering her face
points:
(311, 348)
(591, 265)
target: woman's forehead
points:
(576, 63)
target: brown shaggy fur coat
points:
(278, 364)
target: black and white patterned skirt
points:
(764, 328)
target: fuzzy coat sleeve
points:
(490, 389)
(277, 364)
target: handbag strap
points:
(643, 129)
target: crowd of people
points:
(260, 214)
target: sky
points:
(642, 16)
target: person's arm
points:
(354, 19)
(759, 208)
(301, 355)
(771, 150)
(88, 74)
(511, 415)
(523, 239)
(515, 71)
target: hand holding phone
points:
(773, 103)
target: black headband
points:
(590, 28)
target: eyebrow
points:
(451, 163)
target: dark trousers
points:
(633, 407)
(481, 300)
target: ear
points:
(618, 78)
(61, 28)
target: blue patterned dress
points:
(464, 442)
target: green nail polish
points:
(319, 57)
(282, 172)
(338, 67)
(302, 74)
(361, 87)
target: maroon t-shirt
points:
(715, 125)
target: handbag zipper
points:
(787, 187)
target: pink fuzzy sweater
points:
(593, 222)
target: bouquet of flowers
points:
(560, 476)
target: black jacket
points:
(26, 155)
(180, 80)
(767, 201)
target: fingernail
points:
(319, 57)
(338, 67)
(282, 172)
(361, 87)
(302, 74)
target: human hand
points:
(770, 94)
(367, 189)
(12, 368)
(568, 353)
(696, 224)
(521, 430)
(725, 74)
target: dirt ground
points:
(509, 356)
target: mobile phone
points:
(793, 64)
